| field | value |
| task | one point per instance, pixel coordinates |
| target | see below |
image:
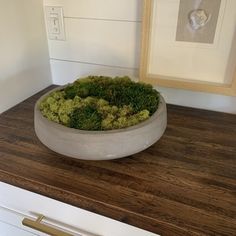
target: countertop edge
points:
(97, 207)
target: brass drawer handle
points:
(37, 225)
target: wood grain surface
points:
(185, 184)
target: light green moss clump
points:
(93, 103)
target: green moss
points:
(101, 103)
(86, 118)
(118, 91)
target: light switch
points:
(55, 23)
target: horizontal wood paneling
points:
(64, 72)
(102, 42)
(208, 101)
(116, 45)
(101, 9)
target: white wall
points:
(103, 37)
(24, 59)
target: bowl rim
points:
(65, 129)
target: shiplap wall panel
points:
(113, 43)
(129, 10)
(207, 101)
(66, 72)
(116, 10)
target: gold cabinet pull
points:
(39, 226)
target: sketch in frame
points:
(197, 20)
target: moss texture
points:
(101, 103)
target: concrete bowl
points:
(100, 145)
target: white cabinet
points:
(10, 230)
(17, 204)
(10, 224)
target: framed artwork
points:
(190, 44)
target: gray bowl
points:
(100, 145)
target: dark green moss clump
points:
(101, 103)
(119, 91)
(86, 118)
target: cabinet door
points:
(10, 224)
(10, 230)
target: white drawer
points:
(10, 230)
(60, 215)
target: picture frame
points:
(225, 87)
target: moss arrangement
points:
(101, 103)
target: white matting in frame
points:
(192, 61)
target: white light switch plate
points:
(55, 22)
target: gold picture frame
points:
(165, 81)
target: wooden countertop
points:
(185, 184)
